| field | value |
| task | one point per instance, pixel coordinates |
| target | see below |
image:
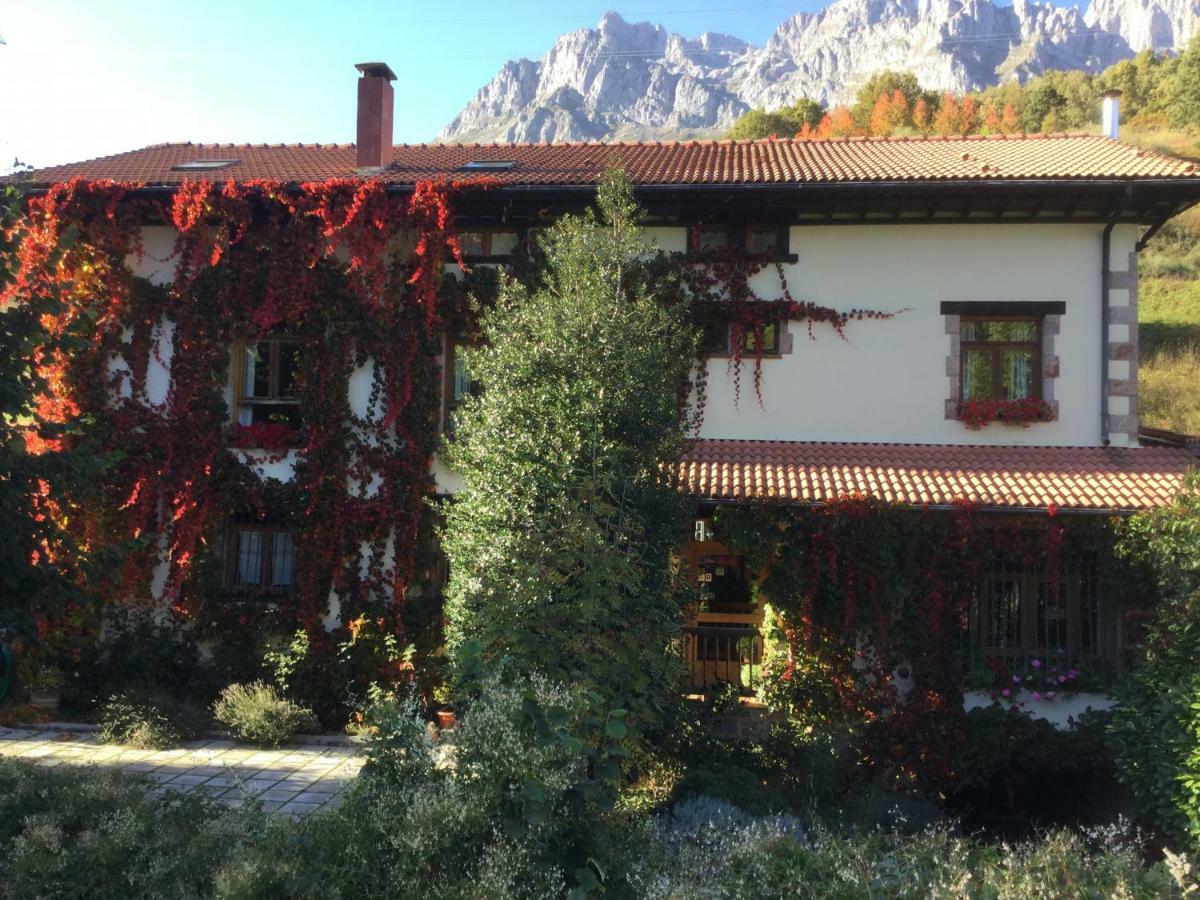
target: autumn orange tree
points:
(43, 566)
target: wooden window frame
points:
(773, 351)
(996, 349)
(266, 575)
(241, 400)
(737, 236)
(1028, 644)
(449, 357)
(488, 232)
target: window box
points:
(979, 413)
(273, 436)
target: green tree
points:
(783, 123)
(1041, 99)
(1184, 89)
(885, 84)
(1156, 727)
(560, 543)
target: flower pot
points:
(445, 719)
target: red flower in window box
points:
(978, 413)
(273, 436)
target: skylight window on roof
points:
(204, 165)
(491, 165)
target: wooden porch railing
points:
(716, 653)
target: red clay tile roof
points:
(846, 160)
(1071, 478)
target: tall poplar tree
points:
(561, 543)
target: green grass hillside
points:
(1169, 308)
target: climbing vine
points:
(869, 611)
(348, 267)
(343, 265)
(720, 284)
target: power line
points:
(592, 17)
(749, 49)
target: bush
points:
(1156, 727)
(1017, 772)
(148, 720)
(724, 855)
(139, 651)
(335, 677)
(449, 832)
(255, 712)
(90, 833)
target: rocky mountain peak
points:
(639, 81)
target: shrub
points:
(1156, 727)
(730, 784)
(255, 712)
(140, 651)
(444, 833)
(335, 678)
(90, 833)
(1018, 772)
(147, 719)
(709, 850)
(512, 802)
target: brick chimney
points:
(375, 101)
(1110, 115)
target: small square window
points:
(471, 243)
(711, 238)
(486, 243)
(762, 240)
(714, 338)
(1001, 358)
(261, 556)
(267, 391)
(764, 339)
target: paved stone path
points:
(294, 779)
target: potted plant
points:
(45, 690)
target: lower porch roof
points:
(1089, 479)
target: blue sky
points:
(83, 78)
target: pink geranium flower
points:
(1037, 663)
(1062, 679)
(1036, 696)
(1006, 692)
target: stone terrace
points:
(295, 779)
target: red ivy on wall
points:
(351, 268)
(720, 281)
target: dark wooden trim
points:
(1021, 308)
(487, 232)
(738, 236)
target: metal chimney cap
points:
(1113, 93)
(376, 70)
